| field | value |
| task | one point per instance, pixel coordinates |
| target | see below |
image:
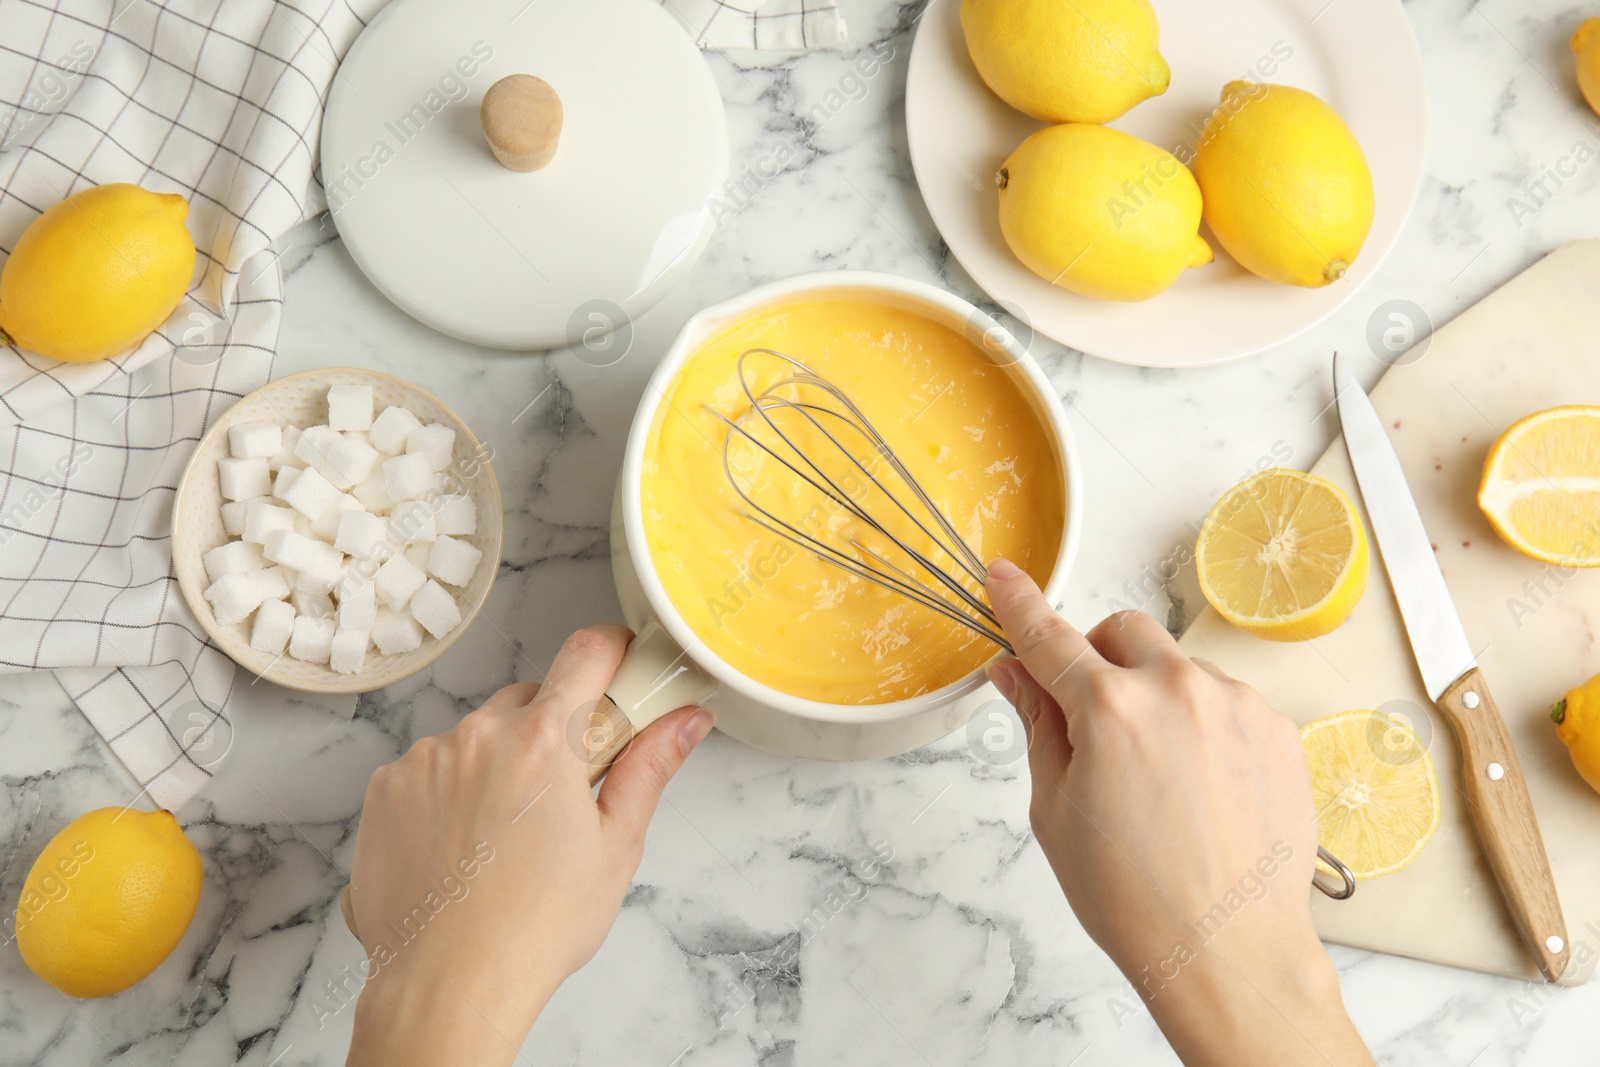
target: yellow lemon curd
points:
(772, 610)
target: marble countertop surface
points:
(957, 947)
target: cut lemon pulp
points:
(1283, 556)
(1373, 785)
(1541, 486)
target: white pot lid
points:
(524, 260)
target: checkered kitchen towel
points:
(220, 102)
(782, 25)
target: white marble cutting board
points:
(1532, 344)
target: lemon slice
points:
(1283, 556)
(1541, 486)
(1376, 796)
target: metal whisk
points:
(853, 469)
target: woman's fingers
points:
(1048, 645)
(1134, 639)
(1049, 751)
(583, 668)
(633, 786)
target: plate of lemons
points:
(1167, 183)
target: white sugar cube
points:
(453, 561)
(320, 447)
(389, 430)
(233, 514)
(435, 609)
(326, 526)
(397, 579)
(350, 407)
(435, 441)
(285, 480)
(357, 571)
(373, 492)
(409, 477)
(361, 533)
(241, 479)
(255, 440)
(233, 597)
(232, 558)
(311, 639)
(380, 550)
(272, 583)
(313, 605)
(455, 515)
(293, 549)
(261, 518)
(412, 521)
(323, 572)
(274, 623)
(358, 606)
(311, 494)
(284, 456)
(395, 632)
(418, 554)
(352, 460)
(312, 447)
(349, 650)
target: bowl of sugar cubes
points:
(337, 530)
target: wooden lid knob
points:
(521, 119)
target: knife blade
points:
(1491, 776)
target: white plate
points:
(513, 260)
(1358, 55)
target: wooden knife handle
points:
(1502, 814)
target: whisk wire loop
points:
(951, 594)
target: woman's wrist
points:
(427, 1011)
(1279, 997)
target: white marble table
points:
(959, 950)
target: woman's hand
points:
(485, 872)
(1175, 807)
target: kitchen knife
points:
(1491, 777)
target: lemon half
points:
(1375, 792)
(1541, 486)
(1283, 556)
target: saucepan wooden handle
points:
(609, 733)
(1502, 814)
(655, 677)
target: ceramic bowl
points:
(300, 400)
(670, 665)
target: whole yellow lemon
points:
(96, 273)
(1577, 719)
(107, 900)
(1287, 189)
(1077, 61)
(1586, 51)
(1100, 212)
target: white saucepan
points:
(668, 666)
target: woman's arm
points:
(1175, 807)
(485, 872)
